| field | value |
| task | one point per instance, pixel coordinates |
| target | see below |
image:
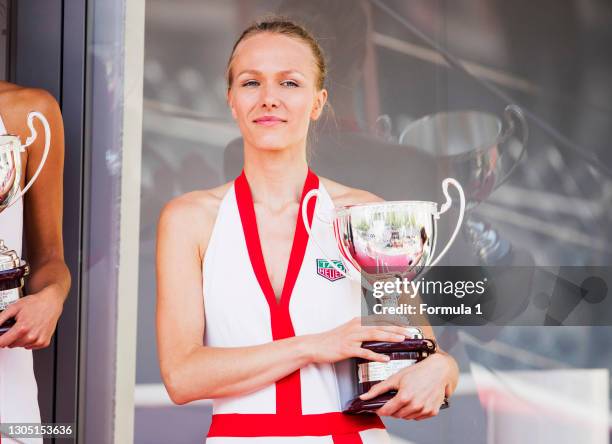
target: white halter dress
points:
(241, 310)
(18, 390)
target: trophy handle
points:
(29, 141)
(511, 112)
(310, 195)
(444, 208)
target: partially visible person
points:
(38, 217)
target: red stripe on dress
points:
(350, 438)
(288, 389)
(288, 420)
(342, 427)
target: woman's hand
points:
(420, 388)
(36, 317)
(345, 341)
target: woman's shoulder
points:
(193, 214)
(199, 203)
(22, 98)
(343, 195)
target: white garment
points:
(18, 390)
(238, 315)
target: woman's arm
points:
(37, 314)
(193, 371)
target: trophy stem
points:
(489, 246)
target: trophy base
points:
(13, 278)
(414, 350)
(359, 406)
(11, 283)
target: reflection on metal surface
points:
(156, 395)
(381, 239)
(428, 55)
(569, 405)
(559, 232)
(180, 111)
(547, 201)
(481, 152)
(474, 147)
(565, 143)
(506, 350)
(179, 122)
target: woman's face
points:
(273, 95)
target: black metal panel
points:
(37, 55)
(73, 109)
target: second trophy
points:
(385, 241)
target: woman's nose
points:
(269, 97)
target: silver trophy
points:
(12, 268)
(481, 152)
(386, 241)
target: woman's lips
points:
(269, 121)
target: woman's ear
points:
(230, 103)
(319, 103)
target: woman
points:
(272, 327)
(36, 314)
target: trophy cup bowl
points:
(13, 269)
(481, 152)
(385, 241)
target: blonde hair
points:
(284, 26)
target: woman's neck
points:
(276, 178)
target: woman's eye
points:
(289, 83)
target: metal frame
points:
(115, 42)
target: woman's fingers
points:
(394, 329)
(370, 355)
(383, 320)
(13, 335)
(389, 333)
(411, 410)
(421, 408)
(9, 312)
(430, 414)
(391, 407)
(429, 410)
(379, 335)
(378, 389)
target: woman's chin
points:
(272, 145)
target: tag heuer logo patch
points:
(325, 269)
